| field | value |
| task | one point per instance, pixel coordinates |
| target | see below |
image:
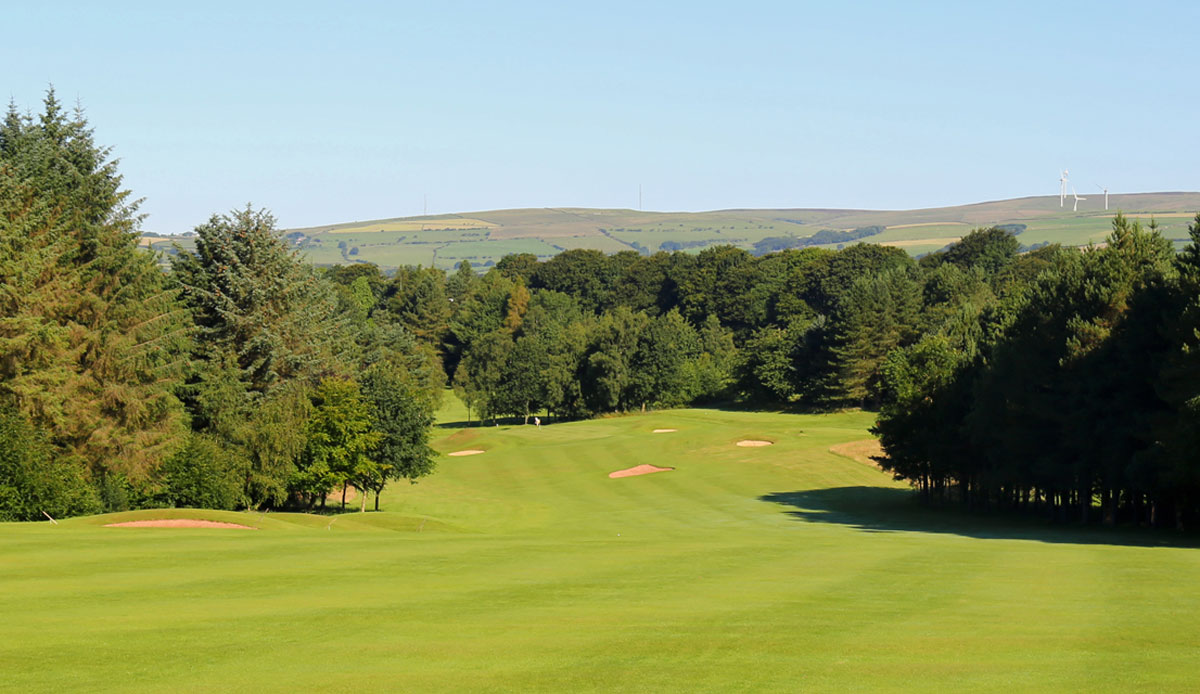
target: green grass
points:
(786, 568)
(488, 236)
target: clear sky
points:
(329, 112)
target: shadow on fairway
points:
(882, 510)
(491, 424)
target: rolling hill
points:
(484, 237)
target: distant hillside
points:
(485, 237)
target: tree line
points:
(241, 377)
(1056, 380)
(1076, 397)
(585, 333)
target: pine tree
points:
(92, 339)
(253, 297)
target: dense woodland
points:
(240, 377)
(1060, 381)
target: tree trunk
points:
(343, 496)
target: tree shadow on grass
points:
(883, 510)
(501, 421)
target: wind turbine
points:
(1105, 195)
(1077, 199)
(1062, 188)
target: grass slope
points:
(783, 568)
(484, 237)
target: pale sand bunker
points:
(754, 443)
(663, 431)
(865, 451)
(179, 523)
(639, 470)
(471, 451)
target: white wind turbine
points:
(1105, 195)
(1077, 199)
(1062, 188)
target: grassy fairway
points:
(783, 568)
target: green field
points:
(485, 237)
(526, 569)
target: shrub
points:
(205, 474)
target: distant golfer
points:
(538, 422)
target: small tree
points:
(402, 418)
(341, 439)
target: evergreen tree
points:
(253, 297)
(92, 341)
(877, 314)
(418, 301)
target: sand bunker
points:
(472, 451)
(663, 431)
(754, 443)
(179, 523)
(639, 470)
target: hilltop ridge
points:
(483, 237)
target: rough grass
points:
(785, 568)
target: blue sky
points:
(326, 113)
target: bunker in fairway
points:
(180, 523)
(639, 470)
(754, 443)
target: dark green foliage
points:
(479, 377)
(776, 363)
(403, 418)
(340, 443)
(32, 482)
(829, 275)
(522, 375)
(877, 314)
(417, 300)
(824, 237)
(518, 266)
(268, 328)
(253, 297)
(661, 373)
(607, 371)
(588, 275)
(205, 473)
(1079, 401)
(458, 284)
(482, 309)
(991, 250)
(91, 337)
